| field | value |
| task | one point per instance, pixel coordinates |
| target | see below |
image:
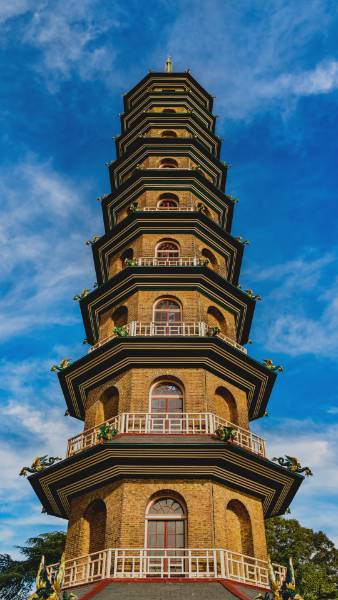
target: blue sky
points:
(273, 67)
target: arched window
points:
(225, 405)
(168, 133)
(167, 311)
(212, 264)
(167, 250)
(126, 255)
(216, 319)
(95, 519)
(166, 397)
(239, 529)
(168, 163)
(166, 529)
(109, 403)
(168, 201)
(168, 110)
(120, 316)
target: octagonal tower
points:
(167, 480)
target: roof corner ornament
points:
(168, 65)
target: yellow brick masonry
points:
(202, 393)
(210, 523)
(195, 307)
(145, 246)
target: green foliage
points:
(315, 557)
(18, 576)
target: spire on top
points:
(168, 65)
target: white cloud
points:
(300, 313)
(71, 38)
(14, 8)
(44, 258)
(32, 423)
(321, 80)
(300, 274)
(316, 446)
(250, 54)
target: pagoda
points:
(167, 483)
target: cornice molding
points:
(141, 149)
(132, 97)
(184, 180)
(123, 353)
(162, 223)
(167, 279)
(222, 462)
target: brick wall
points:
(195, 307)
(203, 392)
(151, 198)
(215, 516)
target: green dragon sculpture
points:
(133, 207)
(225, 434)
(63, 365)
(93, 240)
(130, 262)
(82, 295)
(292, 464)
(269, 365)
(106, 432)
(242, 240)
(121, 331)
(40, 463)
(285, 591)
(252, 295)
(212, 331)
(47, 589)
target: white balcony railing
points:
(179, 261)
(182, 328)
(181, 208)
(194, 563)
(168, 423)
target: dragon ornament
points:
(269, 365)
(284, 591)
(106, 432)
(252, 294)
(47, 589)
(93, 240)
(292, 464)
(40, 463)
(225, 434)
(241, 240)
(82, 294)
(63, 365)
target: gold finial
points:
(168, 65)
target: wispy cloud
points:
(316, 446)
(39, 269)
(252, 51)
(300, 313)
(15, 8)
(32, 423)
(301, 274)
(71, 38)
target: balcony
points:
(179, 261)
(168, 424)
(136, 563)
(181, 208)
(181, 328)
